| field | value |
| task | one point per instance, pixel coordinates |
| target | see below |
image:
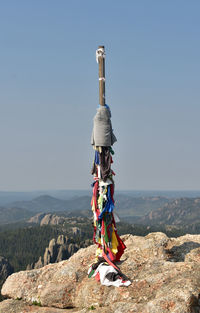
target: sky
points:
(49, 92)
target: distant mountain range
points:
(126, 207)
(184, 211)
(21, 210)
(139, 210)
(46, 203)
(12, 196)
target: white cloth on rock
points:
(103, 270)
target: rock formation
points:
(165, 275)
(58, 250)
(5, 270)
(53, 219)
(47, 219)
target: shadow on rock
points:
(195, 304)
(178, 253)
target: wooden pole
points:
(101, 61)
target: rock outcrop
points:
(47, 219)
(53, 219)
(58, 250)
(165, 275)
(5, 268)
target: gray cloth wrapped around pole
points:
(102, 134)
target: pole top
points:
(100, 53)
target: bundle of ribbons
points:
(109, 245)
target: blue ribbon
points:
(109, 204)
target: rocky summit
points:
(165, 276)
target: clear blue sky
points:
(49, 92)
